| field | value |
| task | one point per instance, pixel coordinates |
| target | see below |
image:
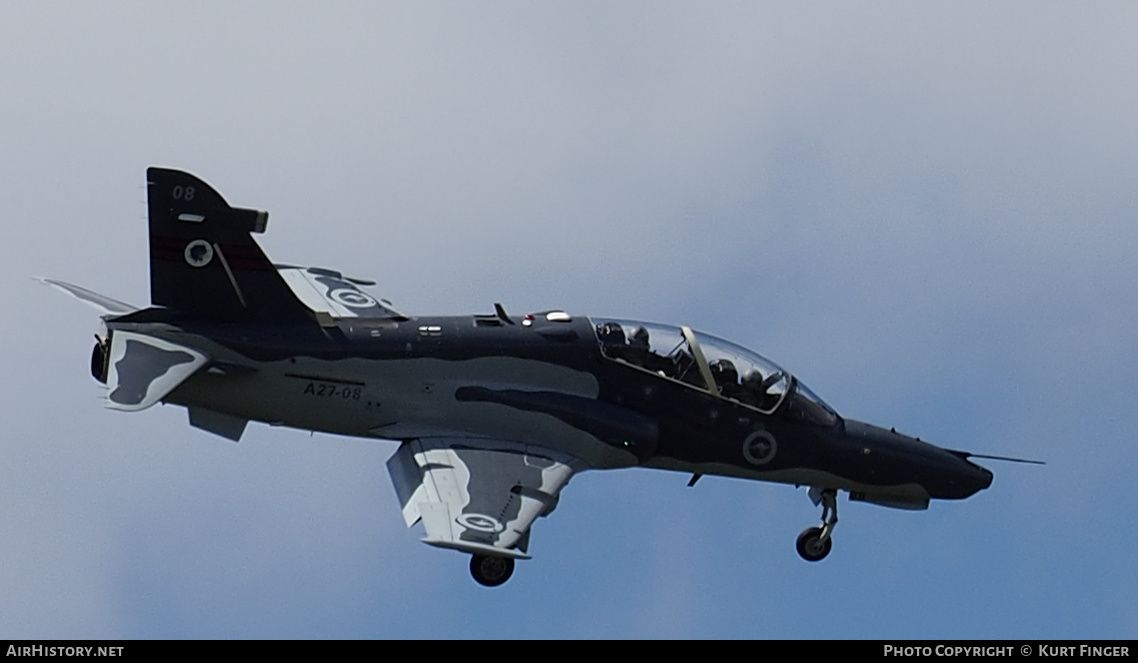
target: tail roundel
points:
(203, 259)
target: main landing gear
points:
(491, 571)
(814, 543)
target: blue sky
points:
(927, 212)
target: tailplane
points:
(203, 259)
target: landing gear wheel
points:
(814, 543)
(811, 546)
(491, 571)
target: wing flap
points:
(476, 495)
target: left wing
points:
(477, 495)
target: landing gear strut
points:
(491, 571)
(814, 543)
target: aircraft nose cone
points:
(944, 474)
(959, 477)
(954, 477)
(984, 479)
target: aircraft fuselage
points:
(545, 383)
(494, 414)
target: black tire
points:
(809, 547)
(491, 571)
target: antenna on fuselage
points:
(501, 311)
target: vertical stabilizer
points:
(203, 259)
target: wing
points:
(330, 295)
(477, 495)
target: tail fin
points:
(203, 259)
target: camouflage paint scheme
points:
(494, 414)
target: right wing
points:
(477, 495)
(331, 296)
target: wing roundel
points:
(476, 495)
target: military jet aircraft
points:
(493, 413)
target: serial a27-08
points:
(493, 413)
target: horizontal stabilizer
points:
(218, 423)
(105, 305)
(143, 369)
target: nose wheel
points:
(814, 543)
(491, 571)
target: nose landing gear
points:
(814, 543)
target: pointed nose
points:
(949, 475)
(901, 459)
(973, 478)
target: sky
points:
(926, 211)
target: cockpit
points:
(705, 362)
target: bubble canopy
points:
(712, 364)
